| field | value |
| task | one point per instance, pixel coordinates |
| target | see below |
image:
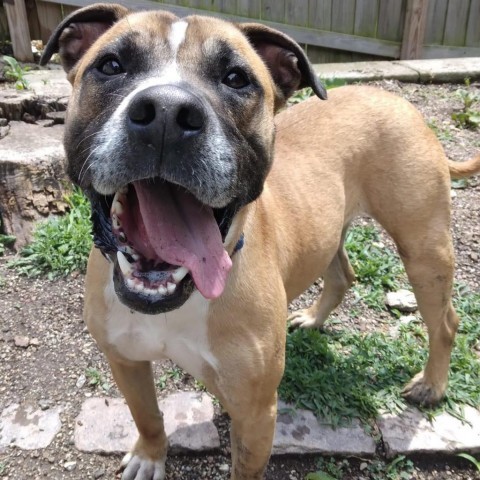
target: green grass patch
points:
(60, 245)
(377, 267)
(344, 374)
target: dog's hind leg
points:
(337, 279)
(429, 267)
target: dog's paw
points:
(420, 392)
(136, 468)
(302, 319)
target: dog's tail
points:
(464, 169)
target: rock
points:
(402, 300)
(28, 428)
(21, 341)
(57, 117)
(3, 122)
(44, 404)
(4, 131)
(300, 432)
(413, 432)
(106, 426)
(224, 467)
(81, 380)
(98, 473)
(33, 181)
(69, 466)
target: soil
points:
(60, 349)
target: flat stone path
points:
(104, 425)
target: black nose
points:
(160, 115)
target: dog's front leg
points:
(146, 461)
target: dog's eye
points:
(236, 79)
(111, 67)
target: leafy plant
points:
(16, 73)
(399, 469)
(328, 469)
(467, 117)
(96, 379)
(60, 245)
(175, 373)
(471, 459)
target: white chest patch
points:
(181, 335)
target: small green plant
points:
(471, 459)
(5, 240)
(400, 468)
(3, 468)
(377, 268)
(175, 373)
(328, 469)
(60, 245)
(306, 93)
(16, 73)
(96, 379)
(443, 134)
(467, 117)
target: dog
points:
(211, 213)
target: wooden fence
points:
(330, 30)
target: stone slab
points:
(299, 432)
(50, 83)
(445, 70)
(411, 432)
(105, 425)
(28, 427)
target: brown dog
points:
(170, 132)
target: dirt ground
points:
(61, 350)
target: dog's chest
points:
(181, 335)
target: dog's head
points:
(170, 132)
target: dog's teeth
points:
(150, 292)
(122, 237)
(138, 287)
(162, 290)
(179, 274)
(116, 222)
(132, 253)
(117, 207)
(123, 190)
(171, 287)
(130, 283)
(124, 265)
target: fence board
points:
(4, 33)
(49, 16)
(273, 10)
(473, 28)
(414, 33)
(18, 27)
(33, 23)
(320, 14)
(436, 17)
(456, 24)
(249, 8)
(296, 12)
(366, 15)
(439, 51)
(391, 18)
(343, 16)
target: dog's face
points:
(170, 132)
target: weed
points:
(377, 268)
(328, 469)
(175, 373)
(306, 93)
(16, 73)
(400, 468)
(471, 459)
(443, 134)
(5, 240)
(96, 379)
(467, 117)
(3, 468)
(60, 245)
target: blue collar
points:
(239, 245)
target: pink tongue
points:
(184, 232)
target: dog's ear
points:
(285, 59)
(77, 32)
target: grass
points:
(60, 245)
(16, 73)
(344, 374)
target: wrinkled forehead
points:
(161, 36)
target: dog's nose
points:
(164, 114)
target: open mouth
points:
(163, 243)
